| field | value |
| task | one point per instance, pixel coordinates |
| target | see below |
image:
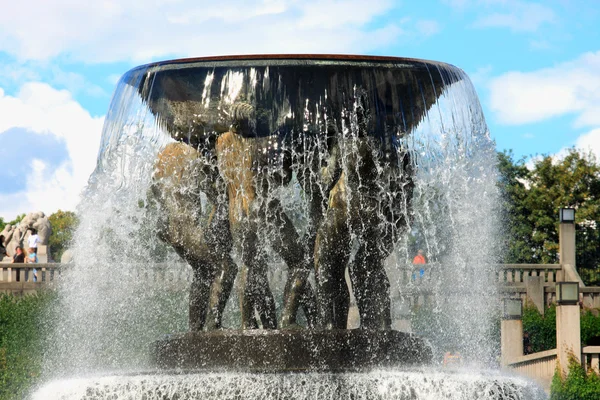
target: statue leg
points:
(199, 293)
(255, 294)
(332, 252)
(371, 286)
(219, 237)
(176, 179)
(220, 291)
(297, 290)
(263, 299)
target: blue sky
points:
(535, 64)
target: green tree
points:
(17, 219)
(577, 385)
(533, 197)
(63, 225)
(518, 231)
(25, 326)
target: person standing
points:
(33, 240)
(2, 248)
(419, 258)
(32, 259)
(18, 258)
(420, 261)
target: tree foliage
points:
(63, 225)
(542, 328)
(577, 385)
(532, 199)
(25, 324)
(14, 222)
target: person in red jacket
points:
(419, 260)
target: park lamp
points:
(513, 308)
(567, 215)
(567, 293)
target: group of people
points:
(20, 256)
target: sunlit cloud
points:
(568, 88)
(519, 17)
(113, 30)
(590, 141)
(40, 108)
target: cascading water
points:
(285, 165)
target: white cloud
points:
(14, 74)
(427, 27)
(568, 88)
(114, 30)
(45, 110)
(590, 141)
(519, 17)
(516, 15)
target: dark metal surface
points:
(291, 350)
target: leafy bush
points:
(23, 329)
(590, 327)
(578, 385)
(541, 328)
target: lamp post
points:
(511, 330)
(567, 215)
(568, 324)
(567, 293)
(566, 241)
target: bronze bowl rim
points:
(358, 58)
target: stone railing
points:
(589, 295)
(508, 274)
(516, 274)
(590, 358)
(541, 366)
(14, 273)
(20, 279)
(538, 366)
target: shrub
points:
(590, 326)
(578, 385)
(541, 328)
(23, 329)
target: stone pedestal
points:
(511, 338)
(568, 339)
(291, 351)
(535, 291)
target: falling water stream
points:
(407, 144)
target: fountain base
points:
(290, 350)
(418, 384)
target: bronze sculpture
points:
(341, 136)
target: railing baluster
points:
(509, 275)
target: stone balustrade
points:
(516, 274)
(540, 366)
(590, 358)
(46, 273)
(19, 278)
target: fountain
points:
(304, 183)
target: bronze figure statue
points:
(339, 129)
